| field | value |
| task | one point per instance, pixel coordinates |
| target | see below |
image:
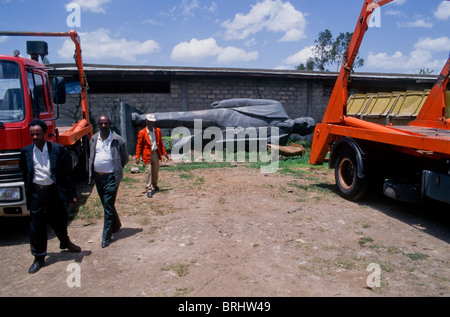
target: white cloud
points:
(398, 62)
(420, 23)
(187, 6)
(3, 39)
(230, 55)
(152, 22)
(435, 45)
(271, 15)
(423, 56)
(300, 57)
(212, 7)
(394, 13)
(186, 9)
(443, 11)
(251, 42)
(96, 6)
(98, 45)
(197, 50)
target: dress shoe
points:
(105, 244)
(70, 246)
(156, 188)
(36, 266)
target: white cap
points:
(150, 117)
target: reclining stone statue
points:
(267, 118)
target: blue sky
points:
(265, 34)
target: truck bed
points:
(429, 132)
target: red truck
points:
(26, 93)
(409, 160)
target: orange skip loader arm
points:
(336, 109)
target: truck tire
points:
(349, 185)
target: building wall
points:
(300, 98)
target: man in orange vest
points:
(150, 146)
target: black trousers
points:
(107, 190)
(46, 207)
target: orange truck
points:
(27, 93)
(408, 159)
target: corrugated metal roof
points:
(204, 71)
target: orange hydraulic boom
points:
(335, 123)
(411, 161)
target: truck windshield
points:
(12, 106)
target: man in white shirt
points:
(49, 189)
(108, 156)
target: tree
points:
(309, 65)
(426, 71)
(329, 52)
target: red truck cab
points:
(25, 94)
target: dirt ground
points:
(236, 232)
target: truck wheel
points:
(350, 186)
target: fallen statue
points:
(232, 116)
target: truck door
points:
(41, 101)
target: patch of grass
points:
(181, 269)
(315, 188)
(168, 140)
(129, 180)
(144, 221)
(127, 168)
(222, 200)
(393, 250)
(162, 209)
(362, 241)
(92, 210)
(185, 167)
(416, 256)
(185, 176)
(199, 181)
(386, 267)
(152, 230)
(181, 292)
(297, 166)
(346, 264)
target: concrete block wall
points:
(192, 93)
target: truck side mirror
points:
(59, 90)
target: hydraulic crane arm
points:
(338, 101)
(336, 109)
(434, 107)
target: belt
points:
(99, 173)
(42, 187)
